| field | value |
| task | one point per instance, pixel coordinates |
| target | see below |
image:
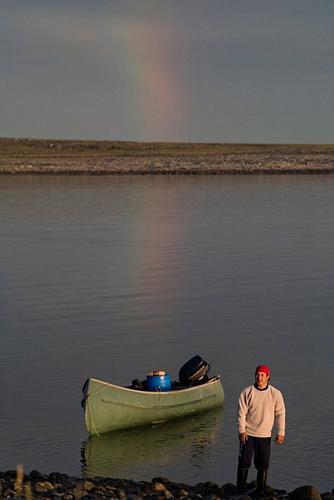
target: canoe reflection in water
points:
(149, 451)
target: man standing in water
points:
(260, 407)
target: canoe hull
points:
(109, 407)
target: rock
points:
(145, 489)
(9, 493)
(327, 496)
(168, 495)
(305, 493)
(208, 488)
(40, 490)
(120, 493)
(162, 480)
(183, 493)
(228, 490)
(156, 486)
(44, 486)
(110, 489)
(212, 496)
(35, 475)
(270, 492)
(10, 474)
(56, 477)
(88, 485)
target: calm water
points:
(112, 276)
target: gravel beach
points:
(46, 157)
(17, 484)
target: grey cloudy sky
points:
(171, 70)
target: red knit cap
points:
(263, 369)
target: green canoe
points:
(110, 407)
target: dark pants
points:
(260, 447)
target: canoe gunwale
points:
(149, 393)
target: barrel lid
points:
(160, 373)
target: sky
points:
(254, 71)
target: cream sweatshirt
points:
(259, 410)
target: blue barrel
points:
(157, 382)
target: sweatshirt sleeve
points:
(279, 414)
(242, 412)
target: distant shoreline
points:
(67, 157)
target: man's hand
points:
(279, 439)
(243, 436)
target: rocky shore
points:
(64, 157)
(55, 486)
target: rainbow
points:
(158, 108)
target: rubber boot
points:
(241, 479)
(261, 482)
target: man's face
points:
(261, 379)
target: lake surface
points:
(114, 276)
